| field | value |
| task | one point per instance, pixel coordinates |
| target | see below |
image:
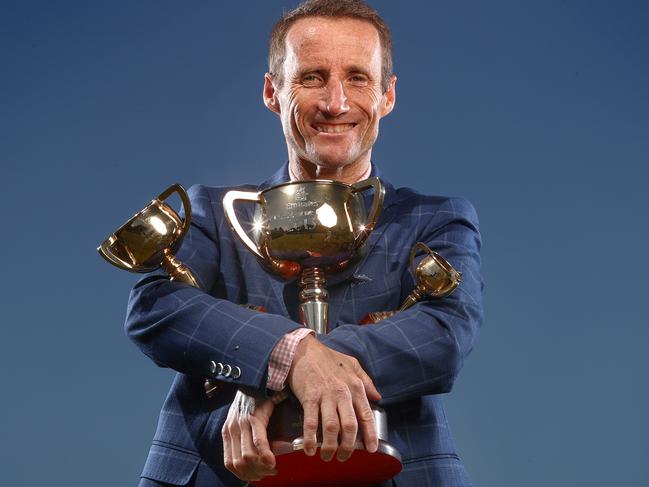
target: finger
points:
(330, 429)
(370, 389)
(366, 422)
(227, 448)
(348, 425)
(310, 426)
(235, 448)
(234, 444)
(251, 467)
(260, 442)
(259, 423)
(264, 412)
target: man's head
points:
(330, 81)
(350, 9)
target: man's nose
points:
(334, 102)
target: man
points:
(330, 81)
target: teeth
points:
(334, 129)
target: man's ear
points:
(389, 97)
(270, 94)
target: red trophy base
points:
(296, 469)
(362, 469)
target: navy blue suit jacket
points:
(412, 357)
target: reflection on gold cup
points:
(151, 238)
(435, 277)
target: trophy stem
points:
(413, 298)
(178, 271)
(314, 309)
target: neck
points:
(349, 174)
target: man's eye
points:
(358, 79)
(311, 79)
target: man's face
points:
(330, 100)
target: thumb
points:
(265, 410)
(260, 440)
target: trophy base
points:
(296, 469)
(362, 469)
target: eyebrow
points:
(310, 69)
(353, 68)
(357, 69)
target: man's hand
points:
(335, 386)
(246, 451)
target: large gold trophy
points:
(314, 231)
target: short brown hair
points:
(354, 9)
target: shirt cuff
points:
(281, 358)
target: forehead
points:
(333, 42)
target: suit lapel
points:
(388, 214)
(385, 218)
(281, 176)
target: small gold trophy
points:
(150, 240)
(435, 277)
(314, 231)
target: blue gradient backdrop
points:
(536, 111)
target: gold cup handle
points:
(228, 204)
(413, 252)
(184, 198)
(105, 251)
(377, 205)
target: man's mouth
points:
(333, 128)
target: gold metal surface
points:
(305, 224)
(435, 277)
(376, 316)
(151, 238)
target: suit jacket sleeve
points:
(421, 350)
(184, 328)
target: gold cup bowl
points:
(307, 224)
(435, 277)
(151, 238)
(315, 230)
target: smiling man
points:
(330, 81)
(330, 93)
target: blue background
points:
(537, 111)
